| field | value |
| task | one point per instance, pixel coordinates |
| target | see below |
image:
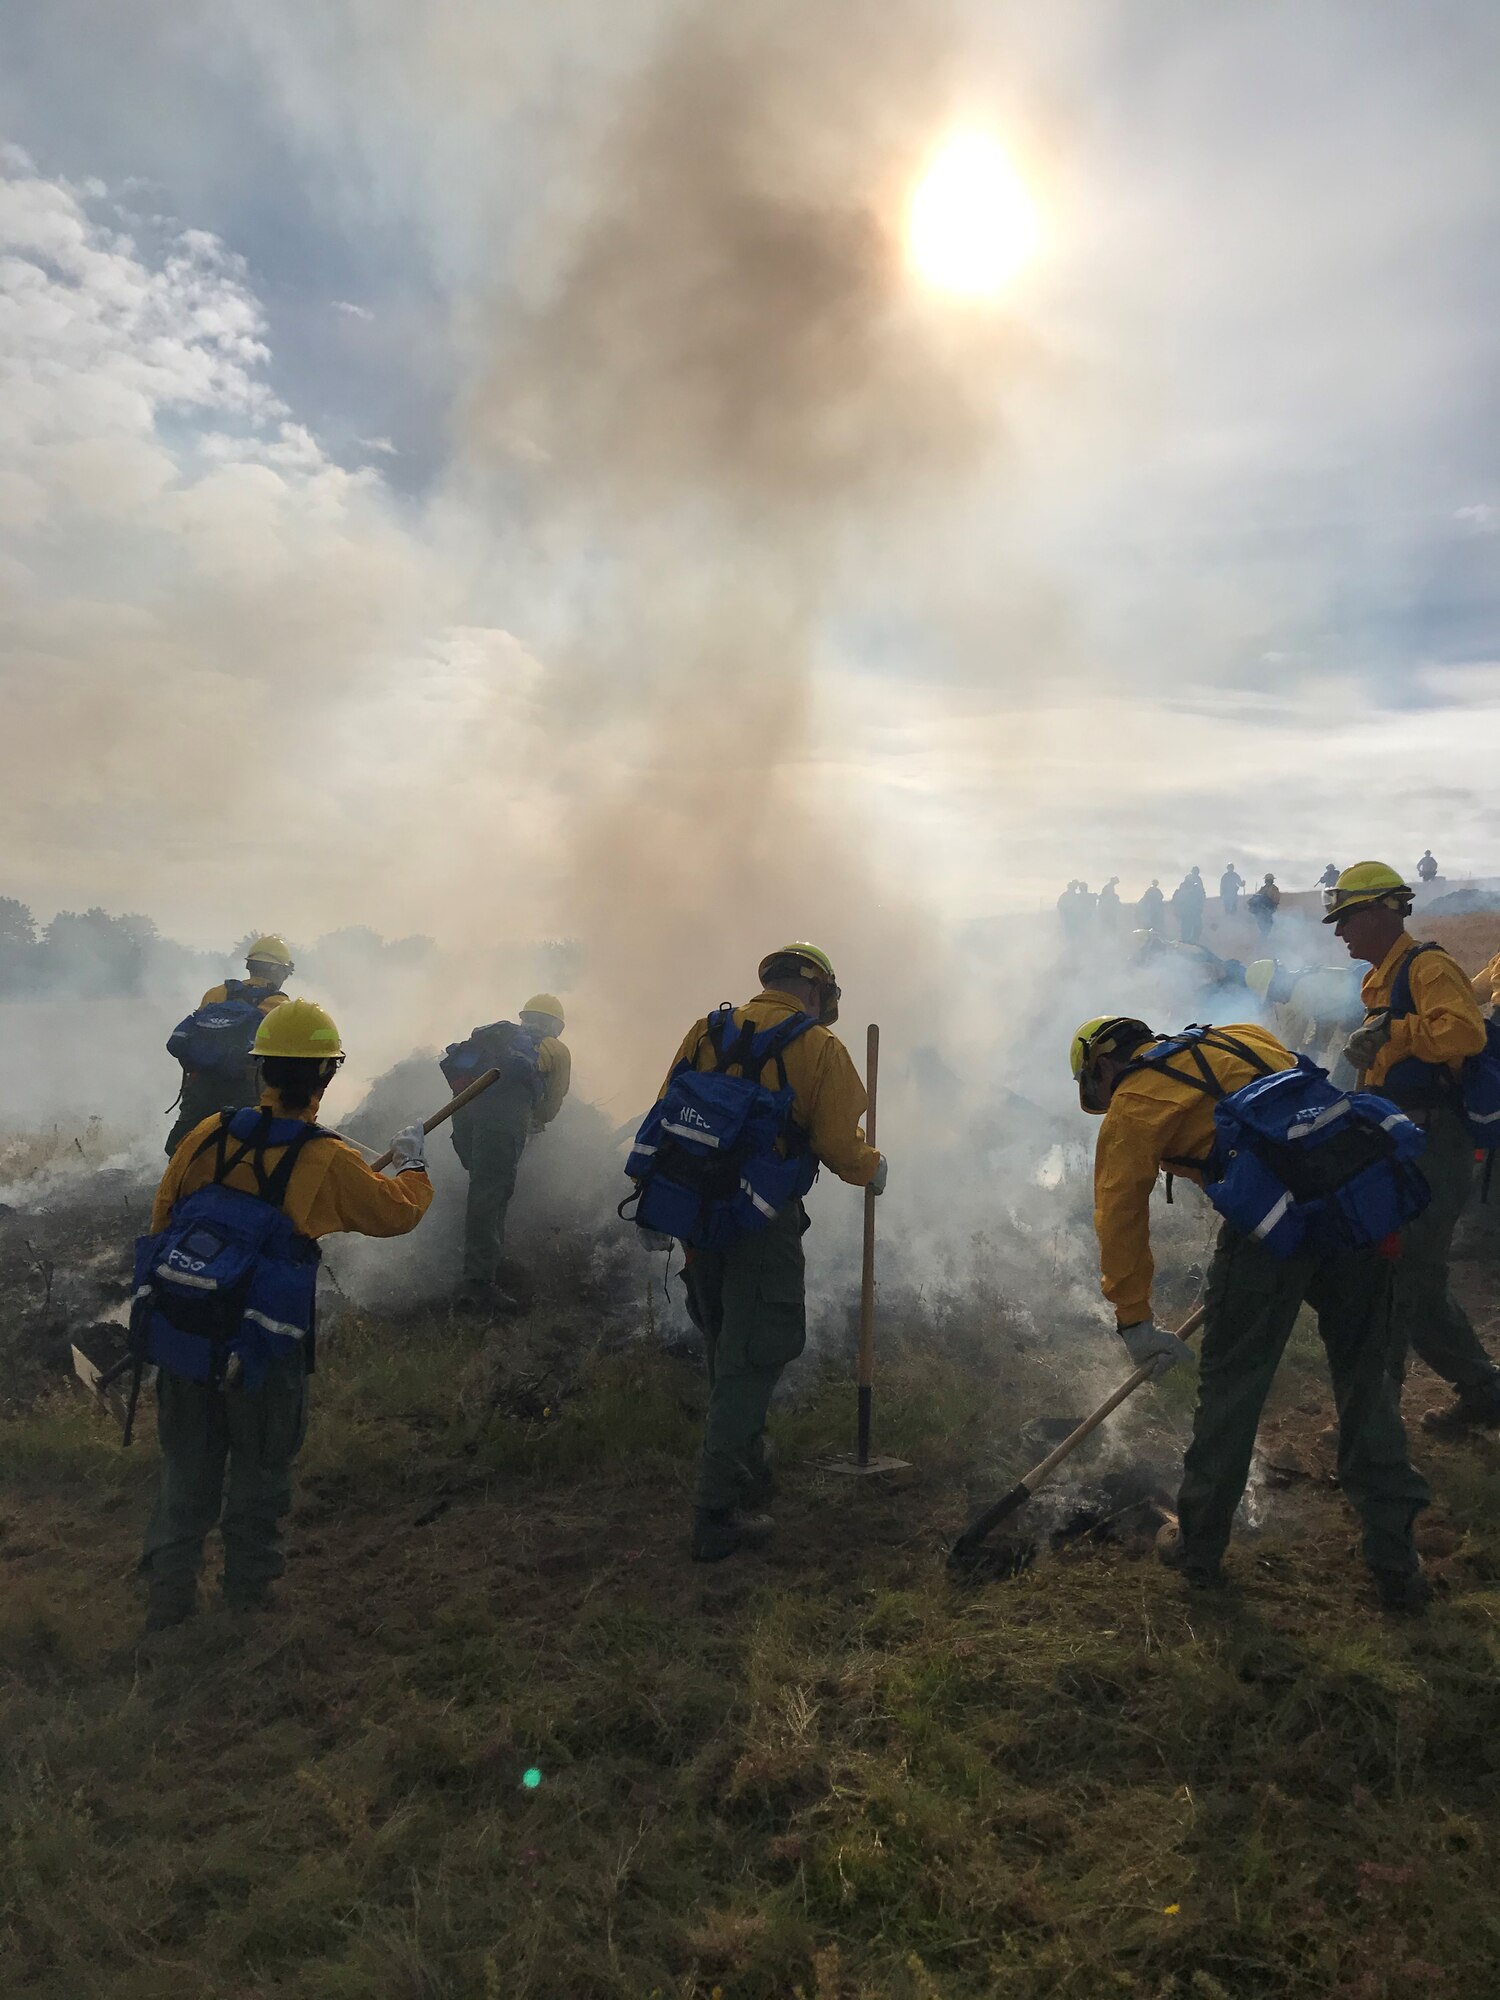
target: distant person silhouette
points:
(1427, 868)
(1188, 899)
(1230, 884)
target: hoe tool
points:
(862, 1462)
(964, 1551)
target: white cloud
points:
(353, 311)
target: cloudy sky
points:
(489, 471)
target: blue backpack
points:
(1296, 1164)
(217, 1038)
(719, 1156)
(229, 1276)
(502, 1046)
(1474, 1093)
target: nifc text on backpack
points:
(217, 1038)
(719, 1156)
(504, 1046)
(1474, 1093)
(1296, 1164)
(229, 1275)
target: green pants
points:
(253, 1436)
(748, 1303)
(489, 1137)
(203, 1095)
(1252, 1305)
(1429, 1320)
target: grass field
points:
(828, 1773)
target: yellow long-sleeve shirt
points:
(264, 997)
(828, 1099)
(1485, 985)
(1153, 1117)
(555, 1066)
(332, 1188)
(1446, 1025)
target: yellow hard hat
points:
(301, 1029)
(544, 1003)
(271, 950)
(1098, 1037)
(1365, 884)
(809, 954)
(1259, 974)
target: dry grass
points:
(829, 1773)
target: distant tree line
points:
(91, 954)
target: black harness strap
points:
(1206, 1081)
(270, 1186)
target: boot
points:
(723, 1531)
(1171, 1550)
(1403, 1593)
(169, 1605)
(1478, 1405)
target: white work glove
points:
(409, 1150)
(1366, 1043)
(1148, 1342)
(876, 1182)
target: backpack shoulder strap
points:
(273, 1186)
(1188, 1042)
(1402, 1002)
(219, 1139)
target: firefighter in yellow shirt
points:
(1485, 985)
(228, 1444)
(748, 1300)
(1422, 1022)
(232, 1085)
(490, 1135)
(1160, 1116)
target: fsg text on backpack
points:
(229, 1279)
(1474, 1093)
(216, 1039)
(719, 1156)
(1296, 1164)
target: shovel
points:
(963, 1552)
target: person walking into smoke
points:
(1422, 1023)
(1157, 1106)
(1149, 909)
(1188, 899)
(1230, 884)
(224, 1307)
(213, 1043)
(491, 1134)
(745, 1288)
(1263, 905)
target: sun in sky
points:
(970, 224)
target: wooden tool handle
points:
(1071, 1442)
(866, 1374)
(440, 1117)
(983, 1524)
